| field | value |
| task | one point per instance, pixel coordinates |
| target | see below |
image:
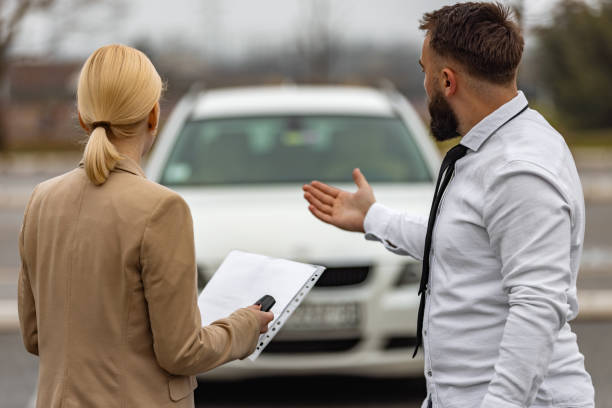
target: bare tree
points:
(518, 8)
(11, 15)
(211, 12)
(62, 13)
(318, 44)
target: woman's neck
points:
(131, 147)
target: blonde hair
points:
(118, 88)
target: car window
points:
(294, 149)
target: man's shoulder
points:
(530, 146)
(532, 141)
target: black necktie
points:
(446, 172)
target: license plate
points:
(309, 316)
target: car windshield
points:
(294, 149)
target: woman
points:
(107, 287)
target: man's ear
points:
(449, 82)
(83, 125)
(153, 120)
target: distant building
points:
(39, 109)
(39, 105)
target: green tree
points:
(574, 57)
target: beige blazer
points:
(108, 298)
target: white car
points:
(239, 157)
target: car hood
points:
(275, 221)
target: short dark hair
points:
(479, 35)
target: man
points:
(502, 245)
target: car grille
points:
(310, 346)
(343, 276)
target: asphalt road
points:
(19, 369)
(336, 392)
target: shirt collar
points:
(492, 122)
(125, 164)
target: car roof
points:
(291, 99)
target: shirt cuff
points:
(491, 401)
(376, 222)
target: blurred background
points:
(565, 73)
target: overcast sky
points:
(230, 27)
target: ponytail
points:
(118, 89)
(100, 156)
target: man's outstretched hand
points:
(338, 207)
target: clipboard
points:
(244, 277)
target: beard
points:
(444, 123)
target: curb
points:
(593, 158)
(597, 189)
(9, 318)
(15, 200)
(595, 305)
(29, 164)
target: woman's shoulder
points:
(145, 195)
(55, 185)
(143, 185)
(122, 189)
(162, 194)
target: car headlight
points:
(410, 274)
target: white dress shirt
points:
(504, 260)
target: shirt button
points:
(425, 332)
(428, 292)
(429, 373)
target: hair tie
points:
(106, 125)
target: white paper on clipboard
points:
(243, 278)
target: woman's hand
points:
(264, 318)
(340, 208)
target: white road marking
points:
(32, 401)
